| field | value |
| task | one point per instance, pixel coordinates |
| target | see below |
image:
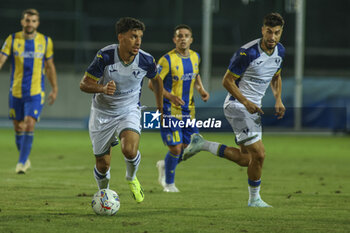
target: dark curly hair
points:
(273, 20)
(128, 23)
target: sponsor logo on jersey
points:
(30, 54)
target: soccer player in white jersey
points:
(115, 77)
(252, 68)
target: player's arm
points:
(201, 90)
(157, 87)
(276, 86)
(90, 85)
(6, 51)
(172, 98)
(50, 70)
(229, 83)
(163, 70)
(3, 59)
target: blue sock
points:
(19, 139)
(171, 162)
(26, 147)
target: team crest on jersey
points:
(136, 73)
(40, 47)
(278, 61)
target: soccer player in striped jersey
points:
(252, 68)
(115, 77)
(31, 55)
(179, 70)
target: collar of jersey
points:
(178, 54)
(121, 60)
(264, 50)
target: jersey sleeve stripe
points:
(4, 53)
(91, 76)
(278, 71)
(233, 74)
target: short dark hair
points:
(273, 20)
(30, 11)
(128, 23)
(181, 26)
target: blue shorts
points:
(28, 106)
(176, 135)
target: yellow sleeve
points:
(6, 48)
(49, 49)
(163, 67)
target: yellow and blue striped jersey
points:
(179, 74)
(27, 58)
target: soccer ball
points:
(105, 202)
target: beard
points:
(269, 46)
(29, 30)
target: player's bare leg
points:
(129, 141)
(257, 152)
(102, 170)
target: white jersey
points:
(107, 66)
(254, 70)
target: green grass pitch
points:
(305, 178)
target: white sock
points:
(102, 179)
(131, 166)
(212, 147)
(254, 192)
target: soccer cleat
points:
(22, 168)
(258, 203)
(194, 147)
(161, 173)
(27, 165)
(136, 190)
(171, 188)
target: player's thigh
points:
(256, 149)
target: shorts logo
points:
(246, 131)
(151, 120)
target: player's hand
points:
(176, 100)
(52, 97)
(253, 108)
(280, 109)
(109, 88)
(205, 96)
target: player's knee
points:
(28, 125)
(175, 150)
(259, 156)
(102, 166)
(129, 151)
